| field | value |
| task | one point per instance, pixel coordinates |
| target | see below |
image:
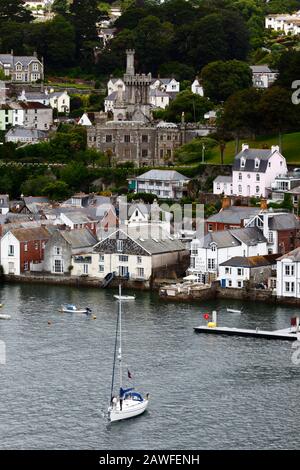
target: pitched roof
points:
(234, 214)
(223, 179)
(293, 255)
(249, 235)
(226, 238)
(78, 217)
(264, 68)
(250, 155)
(286, 221)
(251, 261)
(26, 132)
(31, 234)
(80, 238)
(162, 175)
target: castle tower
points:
(130, 61)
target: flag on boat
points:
(129, 374)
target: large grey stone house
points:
(131, 134)
(22, 69)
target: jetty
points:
(287, 334)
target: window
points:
(240, 188)
(140, 272)
(218, 186)
(144, 153)
(36, 246)
(11, 250)
(289, 286)
(127, 138)
(257, 189)
(240, 176)
(58, 266)
(123, 258)
(120, 245)
(123, 271)
(213, 248)
(257, 177)
(227, 270)
(144, 138)
(240, 283)
(248, 176)
(101, 268)
(210, 227)
(101, 258)
(243, 162)
(169, 137)
(26, 266)
(108, 138)
(25, 247)
(229, 283)
(240, 271)
(19, 76)
(139, 260)
(289, 270)
(85, 269)
(256, 163)
(270, 237)
(269, 164)
(35, 67)
(161, 153)
(211, 263)
(57, 250)
(35, 76)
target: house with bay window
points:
(62, 245)
(218, 247)
(253, 172)
(288, 275)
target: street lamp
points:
(203, 150)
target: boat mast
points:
(120, 330)
(115, 355)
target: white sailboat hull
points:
(130, 408)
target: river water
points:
(205, 392)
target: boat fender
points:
(94, 317)
(49, 322)
(211, 324)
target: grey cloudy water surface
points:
(206, 392)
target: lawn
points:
(290, 148)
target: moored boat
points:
(70, 308)
(124, 297)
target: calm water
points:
(206, 392)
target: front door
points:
(11, 268)
(58, 266)
(123, 271)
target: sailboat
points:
(128, 402)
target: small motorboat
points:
(70, 308)
(232, 310)
(4, 317)
(124, 297)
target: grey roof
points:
(12, 60)
(286, 221)
(293, 255)
(250, 155)
(295, 190)
(234, 214)
(35, 95)
(227, 238)
(36, 199)
(78, 217)
(112, 96)
(249, 235)
(23, 132)
(157, 92)
(251, 261)
(264, 68)
(143, 208)
(80, 238)
(162, 175)
(223, 179)
(223, 239)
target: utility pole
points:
(203, 150)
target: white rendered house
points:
(288, 275)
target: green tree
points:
(75, 175)
(14, 10)
(59, 37)
(56, 190)
(193, 106)
(193, 150)
(221, 79)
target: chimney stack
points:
(130, 61)
(245, 147)
(275, 148)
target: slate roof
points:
(251, 261)
(80, 238)
(162, 175)
(78, 217)
(12, 60)
(250, 236)
(284, 222)
(264, 68)
(293, 255)
(234, 214)
(223, 179)
(24, 132)
(250, 155)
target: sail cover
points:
(123, 391)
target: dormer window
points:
(243, 162)
(256, 164)
(18, 67)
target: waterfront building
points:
(288, 274)
(166, 184)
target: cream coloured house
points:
(130, 256)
